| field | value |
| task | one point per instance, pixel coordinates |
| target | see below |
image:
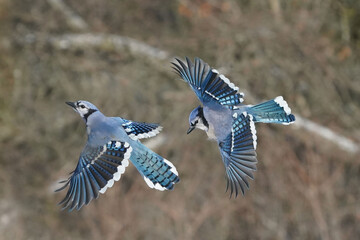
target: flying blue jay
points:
(112, 142)
(229, 122)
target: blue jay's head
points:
(197, 120)
(84, 108)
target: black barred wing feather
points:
(238, 153)
(97, 169)
(208, 84)
(137, 130)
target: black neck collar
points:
(91, 111)
(201, 115)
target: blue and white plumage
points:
(225, 119)
(112, 143)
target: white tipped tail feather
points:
(282, 103)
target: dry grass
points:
(305, 187)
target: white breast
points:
(211, 132)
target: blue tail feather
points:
(272, 111)
(158, 172)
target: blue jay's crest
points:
(273, 111)
(137, 130)
(208, 84)
(96, 171)
(195, 113)
(238, 153)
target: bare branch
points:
(72, 19)
(115, 42)
(343, 142)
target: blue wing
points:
(97, 169)
(238, 153)
(208, 84)
(137, 130)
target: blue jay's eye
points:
(82, 106)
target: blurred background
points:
(117, 55)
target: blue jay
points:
(112, 142)
(229, 122)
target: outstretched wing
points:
(238, 153)
(137, 130)
(97, 169)
(208, 84)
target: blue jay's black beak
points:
(191, 128)
(71, 104)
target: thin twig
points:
(72, 19)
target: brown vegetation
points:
(306, 51)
